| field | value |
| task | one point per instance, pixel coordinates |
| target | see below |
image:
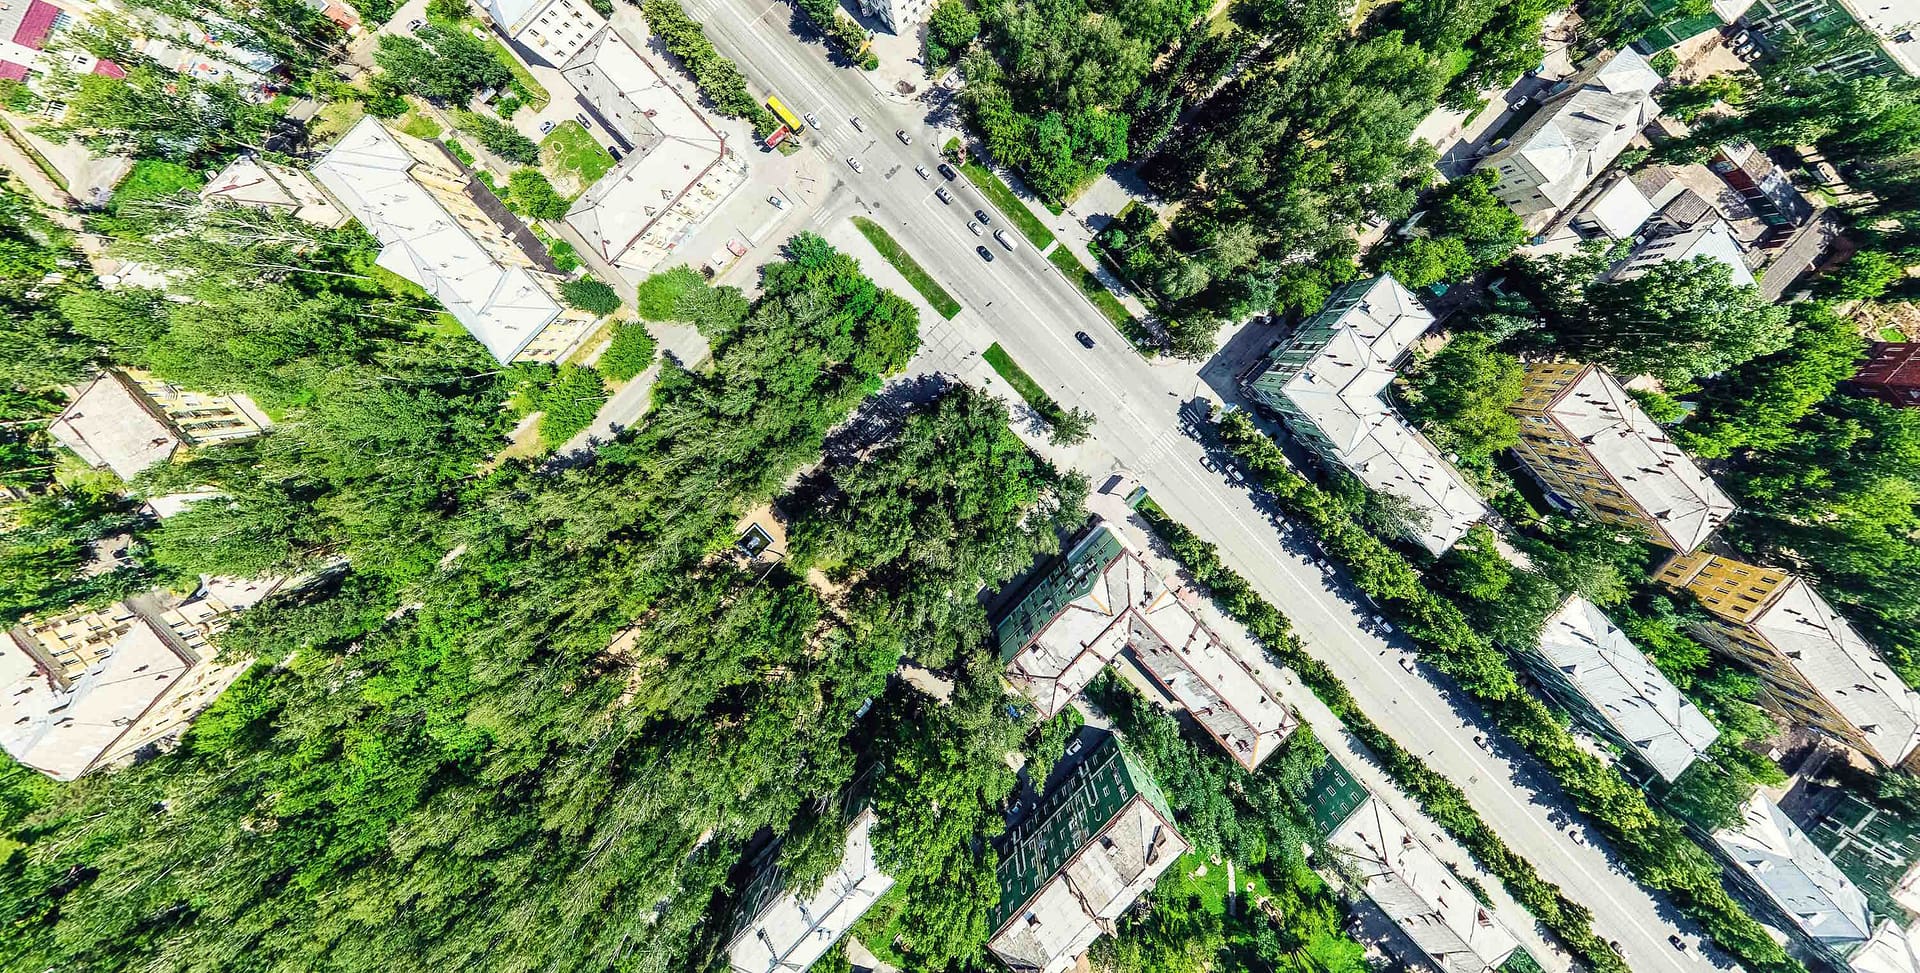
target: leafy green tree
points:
(1756, 405)
(533, 195)
(658, 297)
(951, 27)
(1461, 396)
(590, 294)
(1072, 427)
(719, 79)
(1864, 276)
(501, 139)
(157, 113)
(1689, 101)
(569, 403)
(629, 353)
(441, 63)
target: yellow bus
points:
(786, 117)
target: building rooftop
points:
(1843, 667)
(1580, 131)
(1710, 238)
(510, 14)
(788, 933)
(258, 183)
(1420, 893)
(1800, 880)
(1892, 23)
(368, 171)
(678, 163)
(1636, 452)
(1893, 949)
(73, 684)
(111, 424)
(1092, 844)
(1619, 209)
(1342, 392)
(1641, 705)
(1101, 600)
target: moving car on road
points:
(902, 135)
(922, 172)
(947, 171)
(975, 227)
(856, 123)
(1084, 339)
(1006, 240)
(941, 191)
(855, 163)
(982, 216)
(815, 122)
(985, 254)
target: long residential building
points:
(1574, 135)
(1328, 382)
(1092, 844)
(1814, 668)
(1590, 443)
(441, 228)
(1891, 43)
(1589, 665)
(678, 168)
(1777, 863)
(91, 689)
(1101, 600)
(785, 932)
(127, 420)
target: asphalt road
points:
(1021, 302)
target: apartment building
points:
(1891, 373)
(1329, 384)
(441, 228)
(1890, 41)
(1776, 863)
(1098, 838)
(257, 183)
(1814, 669)
(127, 420)
(91, 689)
(1101, 601)
(785, 932)
(1589, 442)
(1574, 135)
(677, 171)
(552, 30)
(1590, 666)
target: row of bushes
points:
(719, 79)
(1656, 849)
(1438, 796)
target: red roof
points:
(36, 24)
(108, 68)
(10, 71)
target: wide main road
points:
(1019, 301)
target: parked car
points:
(585, 122)
(1678, 943)
(1006, 240)
(1084, 339)
(985, 254)
(1480, 740)
(855, 163)
(546, 126)
(941, 191)
(902, 135)
(1406, 662)
(815, 122)
(982, 216)
(413, 26)
(856, 123)
(947, 171)
(777, 202)
(922, 172)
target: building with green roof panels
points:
(1095, 841)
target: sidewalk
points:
(1109, 502)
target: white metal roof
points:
(1795, 874)
(511, 14)
(1892, 949)
(667, 180)
(790, 934)
(1420, 893)
(1844, 668)
(1643, 707)
(1128, 606)
(1579, 132)
(1711, 238)
(502, 306)
(1341, 392)
(1619, 209)
(111, 424)
(1893, 22)
(61, 732)
(1634, 450)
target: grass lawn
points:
(335, 117)
(1022, 383)
(1009, 205)
(571, 148)
(911, 270)
(152, 177)
(417, 124)
(1892, 334)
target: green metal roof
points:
(1333, 796)
(1066, 819)
(1070, 578)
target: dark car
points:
(982, 216)
(985, 254)
(1678, 943)
(947, 170)
(1084, 340)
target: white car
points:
(945, 197)
(975, 227)
(815, 122)
(902, 135)
(856, 123)
(1006, 240)
(922, 172)
(855, 163)
(777, 202)
(546, 126)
